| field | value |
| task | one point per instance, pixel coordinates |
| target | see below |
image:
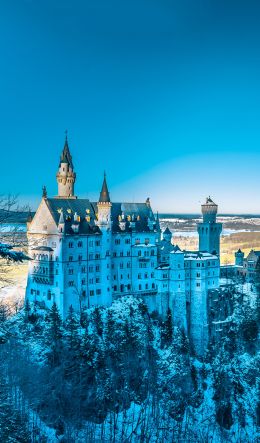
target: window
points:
(90, 268)
(146, 286)
(137, 241)
(70, 258)
(121, 265)
(198, 274)
(83, 281)
(91, 244)
(115, 288)
(91, 281)
(139, 253)
(114, 254)
(70, 271)
(127, 241)
(198, 285)
(97, 256)
(49, 295)
(91, 292)
(97, 243)
(83, 269)
(146, 275)
(117, 241)
(80, 244)
(98, 291)
(147, 240)
(140, 287)
(71, 283)
(139, 276)
(153, 286)
(121, 254)
(114, 277)
(152, 252)
(70, 244)
(128, 265)
(90, 256)
(80, 257)
(97, 280)
(152, 275)
(97, 268)
(128, 253)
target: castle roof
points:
(42, 248)
(167, 231)
(139, 213)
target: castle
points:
(89, 253)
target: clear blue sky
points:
(162, 94)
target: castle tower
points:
(209, 230)
(104, 222)
(167, 235)
(239, 258)
(66, 176)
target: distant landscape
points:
(239, 231)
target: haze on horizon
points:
(163, 95)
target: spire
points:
(44, 192)
(66, 155)
(104, 194)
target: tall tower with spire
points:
(209, 230)
(104, 206)
(66, 176)
(104, 222)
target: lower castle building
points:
(89, 253)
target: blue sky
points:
(162, 94)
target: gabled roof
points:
(167, 231)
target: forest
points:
(118, 374)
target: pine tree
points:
(27, 310)
(54, 335)
(72, 337)
(167, 329)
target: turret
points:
(167, 235)
(239, 257)
(209, 211)
(209, 230)
(66, 176)
(104, 206)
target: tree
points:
(54, 335)
(167, 329)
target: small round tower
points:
(209, 211)
(167, 235)
(209, 230)
(66, 176)
(239, 257)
